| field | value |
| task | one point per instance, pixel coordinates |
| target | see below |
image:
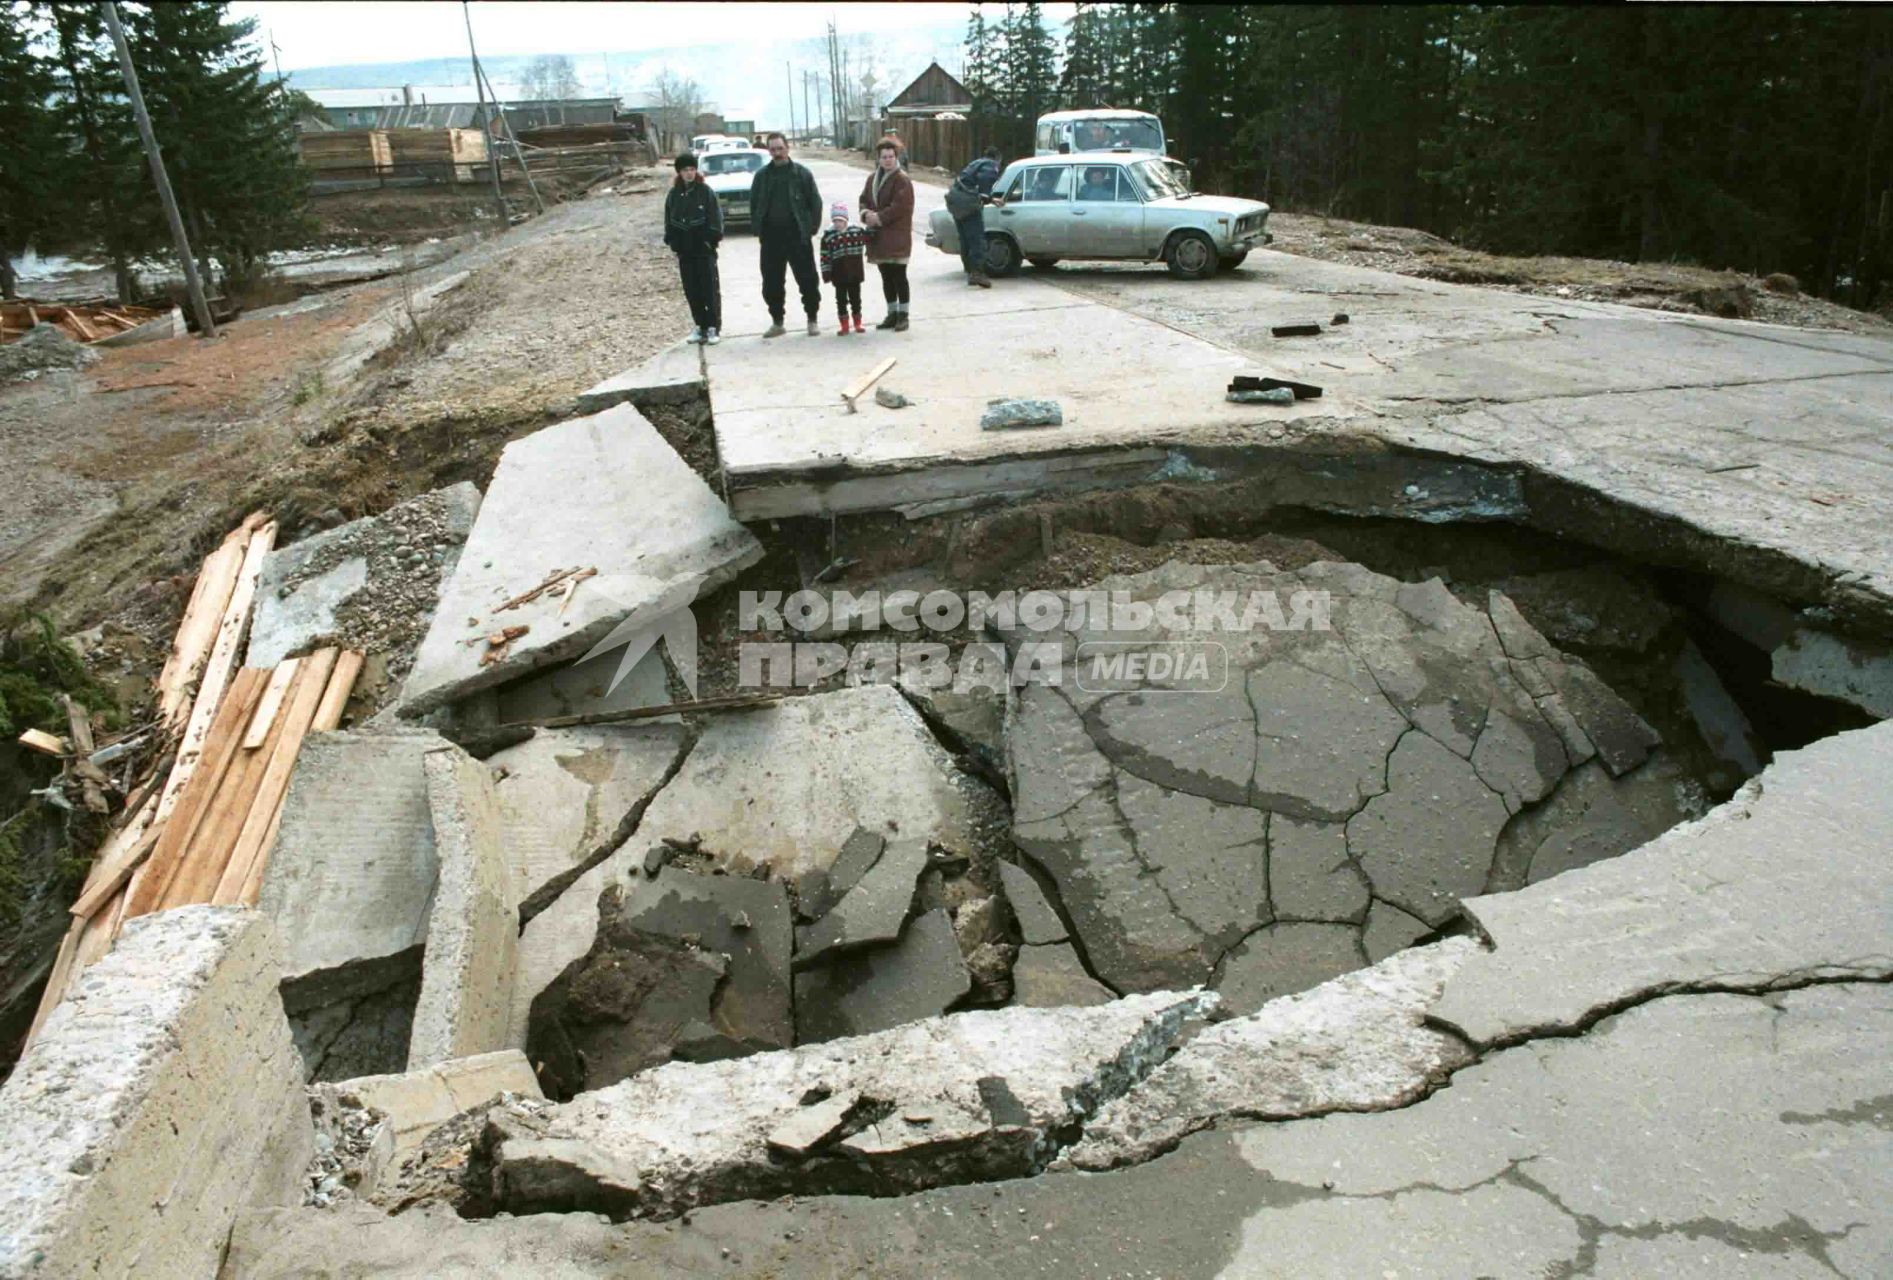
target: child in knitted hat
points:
(844, 265)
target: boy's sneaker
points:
(774, 331)
(696, 335)
(814, 327)
(709, 338)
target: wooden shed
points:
(933, 91)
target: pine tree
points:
(105, 191)
(979, 62)
(28, 143)
(1082, 82)
(1035, 66)
(228, 132)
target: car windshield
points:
(731, 162)
(1159, 180)
(1110, 135)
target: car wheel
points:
(1230, 261)
(1043, 264)
(1192, 256)
(1002, 256)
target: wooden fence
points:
(952, 144)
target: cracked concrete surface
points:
(1340, 794)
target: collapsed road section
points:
(1495, 803)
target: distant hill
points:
(746, 79)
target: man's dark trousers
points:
(788, 248)
(973, 242)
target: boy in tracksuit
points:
(844, 265)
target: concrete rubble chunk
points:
(1839, 667)
(382, 563)
(1038, 922)
(1006, 415)
(1719, 718)
(1051, 976)
(685, 1135)
(472, 927)
(1372, 741)
(418, 1102)
(353, 867)
(688, 965)
(590, 687)
(1355, 1043)
(1389, 929)
(1792, 871)
(819, 889)
(813, 1125)
(874, 910)
(160, 1098)
(566, 794)
(917, 976)
(672, 376)
(557, 504)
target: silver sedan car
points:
(1134, 207)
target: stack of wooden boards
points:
(207, 835)
(345, 149)
(82, 322)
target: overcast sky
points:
(317, 33)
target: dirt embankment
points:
(115, 480)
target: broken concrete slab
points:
(1285, 957)
(1051, 976)
(417, 1102)
(585, 688)
(859, 992)
(1792, 872)
(873, 910)
(473, 925)
(557, 504)
(818, 890)
(973, 1096)
(1731, 1114)
(688, 966)
(1038, 922)
(1371, 740)
(1596, 606)
(672, 376)
(1719, 718)
(353, 868)
(569, 796)
(362, 1034)
(1841, 667)
(161, 1097)
(1356, 1043)
(370, 584)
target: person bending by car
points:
(887, 205)
(786, 209)
(693, 226)
(966, 201)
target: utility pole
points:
(206, 327)
(789, 76)
(479, 118)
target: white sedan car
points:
(729, 174)
(1133, 207)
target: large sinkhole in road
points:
(1487, 707)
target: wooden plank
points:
(97, 895)
(243, 877)
(55, 981)
(197, 799)
(203, 859)
(77, 321)
(348, 667)
(255, 537)
(197, 630)
(867, 380)
(271, 702)
(79, 720)
(45, 743)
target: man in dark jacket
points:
(966, 201)
(785, 207)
